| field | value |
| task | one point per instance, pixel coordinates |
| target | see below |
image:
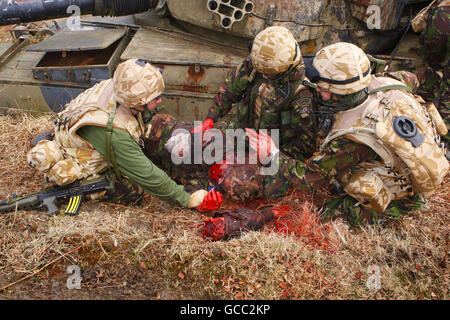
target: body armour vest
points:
(93, 107)
(404, 131)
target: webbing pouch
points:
(369, 189)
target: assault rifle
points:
(50, 198)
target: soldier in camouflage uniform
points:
(377, 172)
(240, 182)
(270, 90)
(102, 131)
(435, 81)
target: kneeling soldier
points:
(101, 132)
(383, 151)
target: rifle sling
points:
(110, 157)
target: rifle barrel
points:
(27, 203)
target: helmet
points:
(275, 50)
(44, 155)
(137, 82)
(343, 68)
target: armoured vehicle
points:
(45, 64)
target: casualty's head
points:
(241, 182)
(275, 51)
(137, 83)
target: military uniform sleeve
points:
(325, 167)
(298, 128)
(232, 90)
(135, 165)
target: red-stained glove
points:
(216, 171)
(206, 125)
(211, 202)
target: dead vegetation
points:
(156, 251)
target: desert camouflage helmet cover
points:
(343, 68)
(275, 50)
(44, 155)
(137, 82)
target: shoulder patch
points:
(303, 106)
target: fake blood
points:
(232, 222)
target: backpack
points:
(404, 132)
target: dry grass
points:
(157, 251)
(5, 36)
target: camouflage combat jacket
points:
(435, 81)
(285, 104)
(434, 39)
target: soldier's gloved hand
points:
(211, 202)
(207, 124)
(216, 171)
(196, 198)
(180, 144)
(263, 144)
